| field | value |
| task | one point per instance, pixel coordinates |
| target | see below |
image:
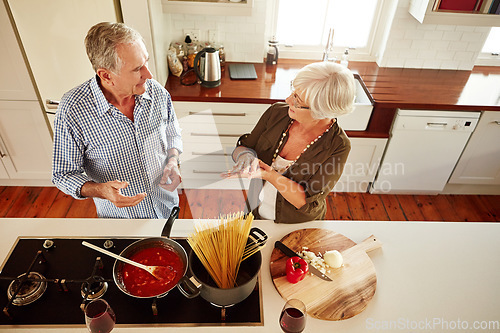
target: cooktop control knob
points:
(48, 244)
(108, 244)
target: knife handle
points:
(285, 249)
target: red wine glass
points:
(99, 317)
(293, 316)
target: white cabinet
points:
(208, 7)
(52, 34)
(362, 165)
(422, 11)
(480, 161)
(15, 82)
(209, 135)
(3, 171)
(25, 140)
(25, 143)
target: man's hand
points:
(171, 172)
(111, 191)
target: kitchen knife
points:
(290, 253)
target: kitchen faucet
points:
(329, 47)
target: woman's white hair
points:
(101, 42)
(327, 88)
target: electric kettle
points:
(207, 67)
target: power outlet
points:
(213, 36)
(193, 33)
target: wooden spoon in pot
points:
(159, 272)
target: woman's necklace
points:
(285, 133)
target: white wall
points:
(414, 45)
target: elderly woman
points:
(297, 148)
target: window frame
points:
(488, 58)
(315, 52)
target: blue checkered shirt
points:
(94, 141)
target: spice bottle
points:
(222, 56)
(345, 61)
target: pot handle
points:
(257, 236)
(167, 228)
(189, 286)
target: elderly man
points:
(117, 139)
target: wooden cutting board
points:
(352, 287)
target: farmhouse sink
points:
(363, 106)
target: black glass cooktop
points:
(68, 259)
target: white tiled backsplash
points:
(415, 45)
(410, 44)
(244, 37)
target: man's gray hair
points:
(101, 42)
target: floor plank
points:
(232, 201)
(411, 210)
(194, 203)
(211, 204)
(463, 207)
(9, 197)
(428, 210)
(183, 206)
(492, 202)
(392, 207)
(445, 208)
(60, 206)
(82, 208)
(357, 206)
(375, 207)
(19, 201)
(42, 204)
(339, 206)
(481, 208)
(23, 202)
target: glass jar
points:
(272, 52)
(222, 56)
(192, 51)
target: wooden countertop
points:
(391, 88)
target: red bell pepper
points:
(296, 269)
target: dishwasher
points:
(422, 151)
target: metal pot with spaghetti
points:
(225, 260)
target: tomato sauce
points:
(141, 283)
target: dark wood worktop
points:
(391, 88)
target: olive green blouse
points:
(318, 169)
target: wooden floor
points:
(49, 202)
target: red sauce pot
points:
(139, 283)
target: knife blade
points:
(290, 253)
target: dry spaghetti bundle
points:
(220, 246)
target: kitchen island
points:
(430, 276)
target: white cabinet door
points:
(25, 143)
(480, 161)
(52, 34)
(15, 82)
(209, 135)
(362, 165)
(3, 171)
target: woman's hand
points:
(246, 165)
